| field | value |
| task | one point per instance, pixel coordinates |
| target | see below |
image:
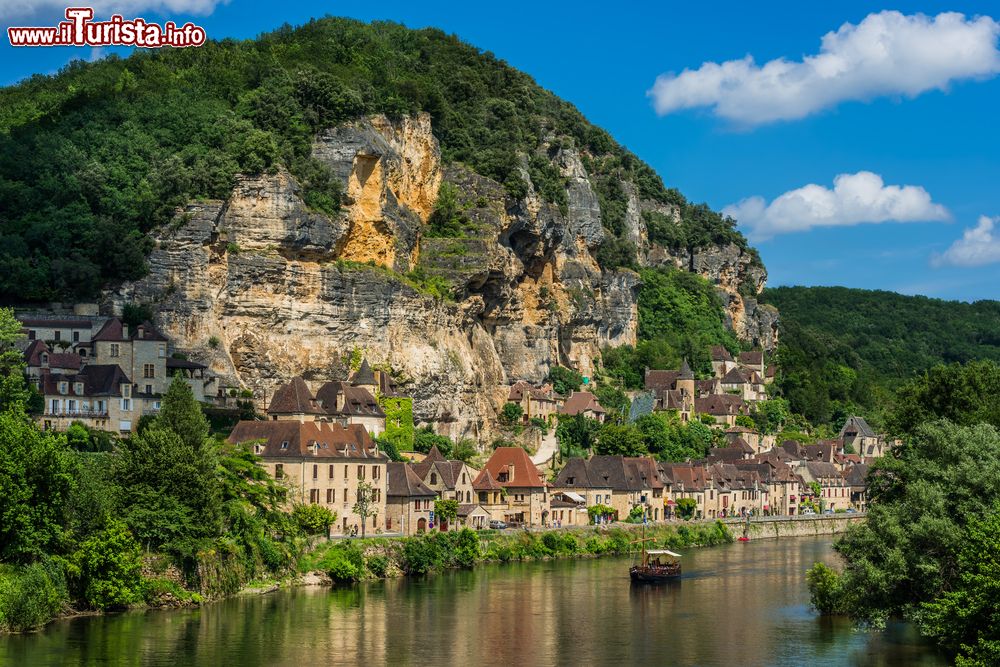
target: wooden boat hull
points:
(641, 575)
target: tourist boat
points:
(657, 565)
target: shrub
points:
(313, 519)
(343, 563)
(110, 568)
(421, 555)
(31, 596)
(378, 565)
(466, 550)
(824, 588)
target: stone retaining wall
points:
(794, 526)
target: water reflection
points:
(743, 604)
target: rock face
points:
(261, 288)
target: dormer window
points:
(140, 332)
(284, 444)
(78, 388)
(63, 387)
(126, 390)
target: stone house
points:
(745, 383)
(583, 403)
(835, 492)
(751, 437)
(512, 489)
(204, 386)
(346, 403)
(857, 481)
(673, 390)
(722, 361)
(634, 481)
(99, 396)
(752, 360)
(409, 502)
(472, 515)
(858, 435)
(723, 408)
(577, 480)
(784, 486)
(61, 334)
(688, 480)
(140, 351)
(324, 463)
(541, 402)
(451, 480)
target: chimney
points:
(124, 331)
(510, 472)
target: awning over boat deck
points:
(662, 552)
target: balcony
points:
(81, 414)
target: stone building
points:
(99, 396)
(140, 351)
(541, 402)
(512, 489)
(583, 403)
(409, 502)
(451, 480)
(324, 463)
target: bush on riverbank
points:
(377, 558)
(31, 595)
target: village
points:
(323, 440)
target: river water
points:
(740, 604)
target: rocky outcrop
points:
(260, 287)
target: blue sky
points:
(605, 58)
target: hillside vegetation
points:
(96, 156)
(847, 349)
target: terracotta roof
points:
(720, 353)
(365, 375)
(581, 401)
(97, 379)
(525, 474)
(294, 398)
(485, 482)
(356, 400)
(114, 330)
(286, 438)
(660, 379)
(402, 481)
(752, 358)
(720, 405)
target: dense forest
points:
(844, 350)
(93, 158)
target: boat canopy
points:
(662, 552)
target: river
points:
(740, 604)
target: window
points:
(361, 472)
(330, 496)
(126, 390)
(315, 471)
(163, 351)
(78, 388)
(284, 444)
(416, 505)
(148, 370)
(31, 336)
(331, 471)
(279, 470)
(149, 389)
(115, 350)
(126, 404)
(71, 406)
(434, 478)
(54, 407)
(63, 387)
(345, 475)
(58, 335)
(375, 472)
(463, 478)
(314, 496)
(76, 336)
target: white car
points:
(808, 511)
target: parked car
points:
(828, 511)
(497, 524)
(808, 511)
(851, 510)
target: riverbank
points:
(351, 560)
(378, 558)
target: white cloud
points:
(854, 199)
(979, 245)
(886, 54)
(10, 9)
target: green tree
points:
(110, 568)
(576, 435)
(36, 478)
(921, 502)
(510, 415)
(365, 505)
(620, 440)
(564, 380)
(445, 511)
(425, 438)
(686, 508)
(313, 519)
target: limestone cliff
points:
(261, 288)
